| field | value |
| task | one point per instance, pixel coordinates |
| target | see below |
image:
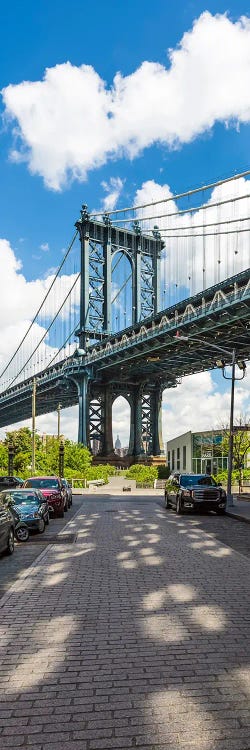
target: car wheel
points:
(66, 507)
(22, 533)
(178, 506)
(47, 520)
(167, 503)
(221, 511)
(41, 526)
(10, 543)
(60, 514)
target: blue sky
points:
(38, 220)
(111, 37)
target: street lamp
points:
(33, 443)
(220, 363)
(58, 421)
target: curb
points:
(238, 517)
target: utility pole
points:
(33, 459)
(231, 433)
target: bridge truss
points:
(122, 295)
(139, 363)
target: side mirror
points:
(219, 484)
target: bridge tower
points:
(100, 243)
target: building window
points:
(178, 459)
(172, 460)
(184, 457)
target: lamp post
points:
(58, 421)
(33, 452)
(220, 363)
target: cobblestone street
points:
(135, 635)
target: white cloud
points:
(26, 296)
(48, 424)
(71, 122)
(198, 404)
(113, 188)
(121, 420)
(44, 247)
(19, 302)
(198, 262)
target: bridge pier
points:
(135, 441)
(107, 444)
(156, 422)
(83, 409)
(145, 441)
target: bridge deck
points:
(147, 351)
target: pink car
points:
(53, 490)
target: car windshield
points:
(43, 483)
(17, 498)
(189, 481)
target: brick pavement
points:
(135, 636)
(12, 568)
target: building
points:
(118, 445)
(95, 446)
(198, 452)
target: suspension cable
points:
(121, 288)
(62, 347)
(182, 211)
(201, 226)
(207, 234)
(174, 197)
(42, 303)
(45, 334)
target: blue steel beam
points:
(145, 353)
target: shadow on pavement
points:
(136, 635)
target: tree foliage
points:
(77, 458)
(241, 442)
(142, 474)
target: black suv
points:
(194, 492)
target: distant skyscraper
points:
(118, 444)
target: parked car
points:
(31, 506)
(10, 482)
(21, 531)
(6, 530)
(68, 489)
(194, 492)
(52, 490)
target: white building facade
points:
(197, 452)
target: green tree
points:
(3, 458)
(77, 458)
(21, 440)
(241, 442)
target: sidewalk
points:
(130, 637)
(240, 510)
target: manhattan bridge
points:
(144, 295)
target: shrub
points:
(144, 475)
